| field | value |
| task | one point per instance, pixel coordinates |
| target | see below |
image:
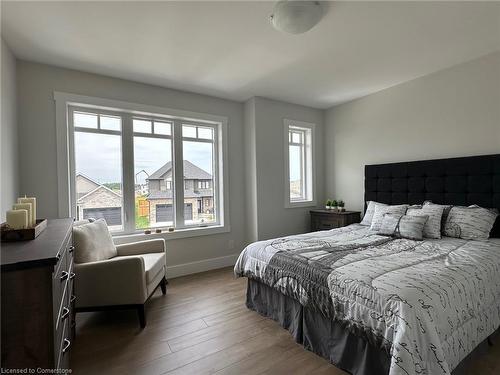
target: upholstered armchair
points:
(116, 277)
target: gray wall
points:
(454, 112)
(267, 174)
(37, 134)
(250, 172)
(9, 188)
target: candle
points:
(25, 206)
(31, 200)
(17, 219)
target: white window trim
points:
(311, 164)
(65, 167)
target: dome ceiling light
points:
(296, 17)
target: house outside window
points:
(299, 164)
(125, 163)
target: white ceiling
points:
(229, 49)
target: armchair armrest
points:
(116, 281)
(141, 247)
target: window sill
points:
(177, 234)
(299, 204)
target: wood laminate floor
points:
(203, 327)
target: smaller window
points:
(85, 120)
(299, 164)
(163, 128)
(110, 123)
(189, 131)
(168, 185)
(142, 126)
(203, 184)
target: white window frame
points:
(66, 167)
(309, 163)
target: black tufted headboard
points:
(457, 181)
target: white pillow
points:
(370, 210)
(432, 228)
(406, 226)
(470, 223)
(380, 211)
(446, 211)
(93, 242)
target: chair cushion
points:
(93, 242)
(153, 264)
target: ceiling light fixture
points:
(296, 17)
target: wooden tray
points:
(10, 235)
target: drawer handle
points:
(64, 275)
(70, 249)
(72, 275)
(67, 344)
(65, 313)
(72, 299)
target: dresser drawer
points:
(59, 279)
(62, 283)
(328, 224)
(327, 220)
(64, 346)
(34, 297)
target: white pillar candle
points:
(17, 219)
(31, 200)
(25, 206)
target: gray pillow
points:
(370, 210)
(446, 211)
(403, 226)
(470, 223)
(380, 211)
(434, 212)
(93, 242)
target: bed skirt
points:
(325, 337)
(322, 336)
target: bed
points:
(374, 304)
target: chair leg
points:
(163, 285)
(142, 315)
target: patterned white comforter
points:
(428, 303)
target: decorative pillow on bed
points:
(370, 210)
(403, 226)
(432, 228)
(470, 223)
(380, 211)
(446, 211)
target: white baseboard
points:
(201, 266)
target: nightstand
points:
(330, 219)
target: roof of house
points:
(82, 198)
(87, 178)
(191, 172)
(187, 194)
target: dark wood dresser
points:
(37, 299)
(330, 219)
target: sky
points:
(98, 156)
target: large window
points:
(145, 171)
(299, 163)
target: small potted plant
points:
(328, 204)
(334, 204)
(341, 206)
